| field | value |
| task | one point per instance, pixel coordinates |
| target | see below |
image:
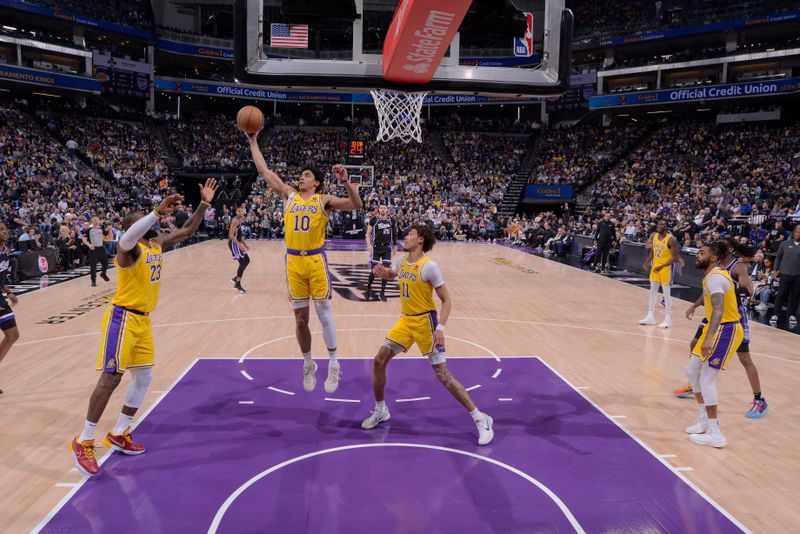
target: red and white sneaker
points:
(123, 443)
(83, 453)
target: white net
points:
(398, 114)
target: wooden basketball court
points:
(506, 303)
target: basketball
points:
(250, 119)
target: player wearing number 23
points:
(126, 341)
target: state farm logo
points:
(43, 265)
(429, 41)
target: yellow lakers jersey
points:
(730, 311)
(662, 254)
(138, 285)
(416, 295)
(304, 222)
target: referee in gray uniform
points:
(787, 269)
(93, 239)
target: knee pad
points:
(140, 382)
(693, 368)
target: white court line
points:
(212, 529)
(332, 399)
(505, 399)
(684, 469)
(107, 455)
(497, 373)
(677, 473)
(277, 390)
(247, 376)
(476, 386)
(667, 455)
(412, 400)
(246, 402)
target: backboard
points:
(350, 55)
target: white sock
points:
(703, 413)
(307, 358)
(380, 406)
(713, 426)
(88, 431)
(123, 422)
(332, 355)
(477, 415)
(651, 303)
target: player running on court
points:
(306, 213)
(239, 249)
(419, 323)
(127, 338)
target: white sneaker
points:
(334, 372)
(377, 417)
(666, 324)
(698, 427)
(485, 432)
(309, 377)
(715, 439)
(792, 321)
(773, 321)
(648, 320)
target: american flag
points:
(289, 35)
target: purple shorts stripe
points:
(722, 345)
(113, 339)
(6, 317)
(329, 293)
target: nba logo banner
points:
(523, 46)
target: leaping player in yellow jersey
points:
(418, 277)
(305, 217)
(127, 340)
(722, 335)
(664, 253)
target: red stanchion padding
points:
(418, 37)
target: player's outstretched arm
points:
(273, 180)
(353, 200)
(207, 193)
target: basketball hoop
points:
(398, 114)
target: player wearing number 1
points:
(306, 214)
(126, 341)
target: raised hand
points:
(340, 172)
(169, 204)
(208, 190)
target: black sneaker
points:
(105, 277)
(233, 280)
(368, 296)
(94, 284)
(239, 288)
(383, 297)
